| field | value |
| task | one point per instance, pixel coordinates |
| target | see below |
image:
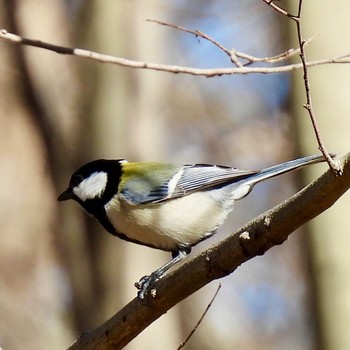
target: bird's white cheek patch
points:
(91, 187)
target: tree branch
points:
(255, 238)
(232, 53)
(211, 72)
(309, 105)
(278, 9)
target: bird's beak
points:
(64, 196)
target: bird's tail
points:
(285, 168)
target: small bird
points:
(165, 206)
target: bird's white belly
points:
(184, 221)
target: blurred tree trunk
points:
(36, 107)
(330, 238)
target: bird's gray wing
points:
(191, 178)
(198, 177)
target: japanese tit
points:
(165, 206)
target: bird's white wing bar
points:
(198, 177)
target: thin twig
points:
(211, 72)
(233, 53)
(308, 105)
(202, 35)
(274, 59)
(279, 9)
(201, 319)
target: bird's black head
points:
(94, 184)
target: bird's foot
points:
(146, 286)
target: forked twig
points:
(279, 9)
(211, 72)
(233, 53)
(274, 59)
(308, 105)
(202, 35)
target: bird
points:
(165, 206)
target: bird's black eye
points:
(76, 180)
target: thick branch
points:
(211, 72)
(269, 229)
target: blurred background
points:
(60, 273)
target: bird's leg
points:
(146, 282)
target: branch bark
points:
(255, 238)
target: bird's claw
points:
(146, 285)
